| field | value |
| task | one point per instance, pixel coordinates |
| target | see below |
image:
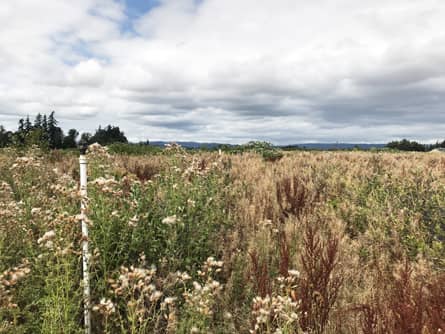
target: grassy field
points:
(316, 242)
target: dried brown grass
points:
(313, 212)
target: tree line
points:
(45, 133)
(407, 145)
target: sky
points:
(284, 71)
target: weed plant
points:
(208, 242)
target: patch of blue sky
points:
(72, 50)
(127, 27)
(85, 50)
(82, 49)
(137, 8)
(134, 9)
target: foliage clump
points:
(265, 149)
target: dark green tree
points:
(108, 135)
(85, 138)
(28, 125)
(45, 123)
(38, 121)
(69, 141)
(406, 145)
(37, 137)
(5, 137)
(21, 127)
(19, 135)
(46, 133)
(55, 134)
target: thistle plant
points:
(206, 242)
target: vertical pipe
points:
(85, 254)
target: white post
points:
(85, 254)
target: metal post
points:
(85, 253)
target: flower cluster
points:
(200, 167)
(97, 149)
(280, 311)
(173, 147)
(136, 286)
(203, 295)
(8, 280)
(5, 189)
(25, 162)
(105, 307)
(10, 210)
(47, 239)
(108, 185)
(65, 187)
(274, 312)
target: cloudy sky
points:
(286, 71)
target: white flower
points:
(184, 276)
(169, 300)
(35, 211)
(46, 237)
(170, 220)
(215, 284)
(294, 273)
(133, 221)
(49, 244)
(105, 306)
(155, 295)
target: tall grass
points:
(316, 242)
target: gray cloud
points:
(183, 125)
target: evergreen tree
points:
(20, 134)
(5, 137)
(38, 121)
(45, 123)
(44, 127)
(52, 122)
(28, 125)
(55, 134)
(21, 127)
(46, 134)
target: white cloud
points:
(87, 73)
(284, 70)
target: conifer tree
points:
(45, 123)
(20, 134)
(28, 125)
(21, 127)
(55, 134)
(38, 121)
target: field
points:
(316, 242)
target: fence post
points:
(85, 253)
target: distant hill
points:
(334, 146)
(186, 144)
(311, 146)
